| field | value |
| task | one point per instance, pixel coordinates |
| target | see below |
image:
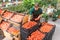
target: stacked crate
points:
(28, 28)
(37, 32)
(44, 33)
(13, 25)
(10, 24)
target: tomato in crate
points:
(28, 28)
(4, 25)
(29, 25)
(7, 15)
(37, 35)
(46, 28)
(17, 18)
(13, 31)
(45, 23)
(49, 29)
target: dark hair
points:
(36, 5)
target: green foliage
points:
(58, 12)
(45, 16)
(19, 8)
(28, 4)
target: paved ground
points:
(56, 35)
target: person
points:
(35, 13)
(50, 10)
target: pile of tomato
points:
(17, 18)
(4, 25)
(37, 35)
(7, 14)
(13, 31)
(29, 25)
(46, 27)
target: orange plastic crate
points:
(46, 28)
(7, 14)
(29, 24)
(4, 25)
(17, 18)
(37, 35)
(13, 31)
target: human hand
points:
(37, 18)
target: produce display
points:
(17, 18)
(37, 35)
(16, 24)
(7, 14)
(13, 31)
(29, 24)
(4, 25)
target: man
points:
(35, 13)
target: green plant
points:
(19, 8)
(45, 16)
(28, 3)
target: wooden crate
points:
(14, 24)
(13, 31)
(1, 19)
(7, 15)
(4, 25)
(17, 18)
(17, 38)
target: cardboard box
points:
(25, 19)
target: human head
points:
(36, 6)
(50, 6)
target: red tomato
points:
(17, 18)
(36, 36)
(7, 15)
(13, 31)
(29, 24)
(46, 27)
(4, 25)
